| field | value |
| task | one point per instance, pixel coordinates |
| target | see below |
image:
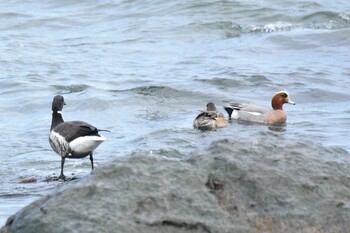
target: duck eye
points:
(284, 95)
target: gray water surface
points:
(144, 69)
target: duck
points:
(72, 139)
(261, 114)
(210, 119)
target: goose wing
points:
(73, 129)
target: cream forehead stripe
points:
(280, 92)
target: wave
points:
(317, 20)
(278, 23)
(272, 27)
(326, 20)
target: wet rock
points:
(53, 178)
(234, 187)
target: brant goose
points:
(210, 119)
(72, 139)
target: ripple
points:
(238, 81)
(71, 88)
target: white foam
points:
(272, 27)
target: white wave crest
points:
(273, 27)
(344, 17)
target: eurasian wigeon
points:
(258, 113)
(210, 119)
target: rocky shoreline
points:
(253, 187)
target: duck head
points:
(279, 99)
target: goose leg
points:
(62, 165)
(92, 161)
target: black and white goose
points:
(72, 139)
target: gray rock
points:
(233, 187)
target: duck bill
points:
(291, 102)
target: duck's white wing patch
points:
(85, 145)
(238, 114)
(234, 114)
(58, 143)
(255, 113)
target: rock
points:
(265, 188)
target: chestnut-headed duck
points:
(210, 119)
(258, 113)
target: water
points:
(143, 69)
